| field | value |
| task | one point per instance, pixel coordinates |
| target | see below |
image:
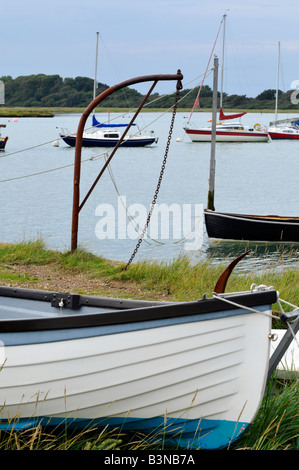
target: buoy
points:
(55, 143)
(178, 139)
(14, 120)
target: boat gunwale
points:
(256, 218)
(135, 311)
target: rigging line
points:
(35, 146)
(185, 238)
(49, 170)
(109, 55)
(196, 100)
(217, 296)
(181, 240)
(137, 226)
(167, 110)
(30, 148)
(163, 96)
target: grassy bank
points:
(31, 265)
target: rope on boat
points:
(50, 170)
(292, 321)
(132, 220)
(236, 304)
(262, 287)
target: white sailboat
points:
(107, 135)
(284, 128)
(226, 130)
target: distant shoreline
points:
(29, 115)
(21, 112)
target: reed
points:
(275, 428)
(176, 280)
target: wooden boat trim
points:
(256, 218)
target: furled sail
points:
(96, 123)
(223, 117)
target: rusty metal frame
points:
(78, 149)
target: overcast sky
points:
(139, 37)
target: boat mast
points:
(222, 62)
(95, 70)
(277, 81)
(211, 192)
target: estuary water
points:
(36, 190)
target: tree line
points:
(54, 91)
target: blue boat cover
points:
(96, 123)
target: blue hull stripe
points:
(48, 336)
(188, 434)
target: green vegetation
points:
(275, 428)
(176, 280)
(52, 91)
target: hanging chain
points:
(178, 88)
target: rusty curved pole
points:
(78, 149)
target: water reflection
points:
(263, 256)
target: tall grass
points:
(176, 280)
(276, 427)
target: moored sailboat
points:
(283, 129)
(108, 134)
(226, 131)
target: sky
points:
(138, 37)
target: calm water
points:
(36, 185)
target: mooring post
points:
(211, 191)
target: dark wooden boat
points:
(259, 228)
(3, 140)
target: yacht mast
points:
(95, 71)
(277, 81)
(222, 61)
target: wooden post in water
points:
(211, 191)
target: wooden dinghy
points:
(192, 373)
(259, 228)
(189, 373)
